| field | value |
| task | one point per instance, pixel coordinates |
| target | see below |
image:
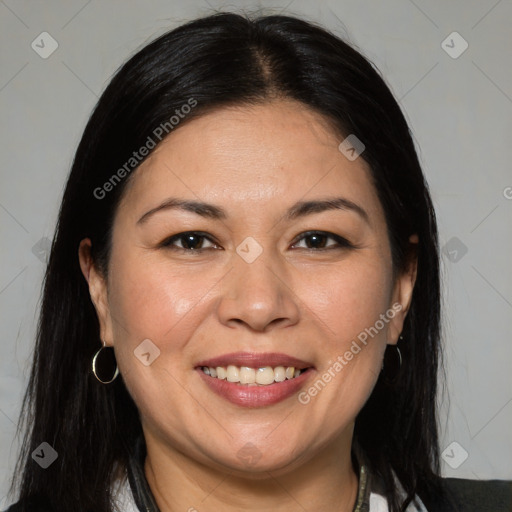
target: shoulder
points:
(33, 504)
(481, 494)
(473, 496)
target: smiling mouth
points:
(247, 376)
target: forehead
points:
(254, 157)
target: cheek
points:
(349, 304)
(152, 300)
(350, 298)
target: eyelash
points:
(341, 243)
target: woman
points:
(247, 228)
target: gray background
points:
(460, 113)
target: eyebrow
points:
(299, 209)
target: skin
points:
(255, 162)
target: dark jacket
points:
(464, 495)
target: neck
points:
(327, 481)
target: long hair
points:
(219, 60)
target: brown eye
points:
(318, 240)
(191, 241)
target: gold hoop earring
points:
(94, 365)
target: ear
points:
(97, 289)
(402, 291)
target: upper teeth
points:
(245, 375)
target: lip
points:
(255, 360)
(255, 396)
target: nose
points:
(258, 295)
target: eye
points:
(318, 240)
(191, 241)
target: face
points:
(255, 274)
